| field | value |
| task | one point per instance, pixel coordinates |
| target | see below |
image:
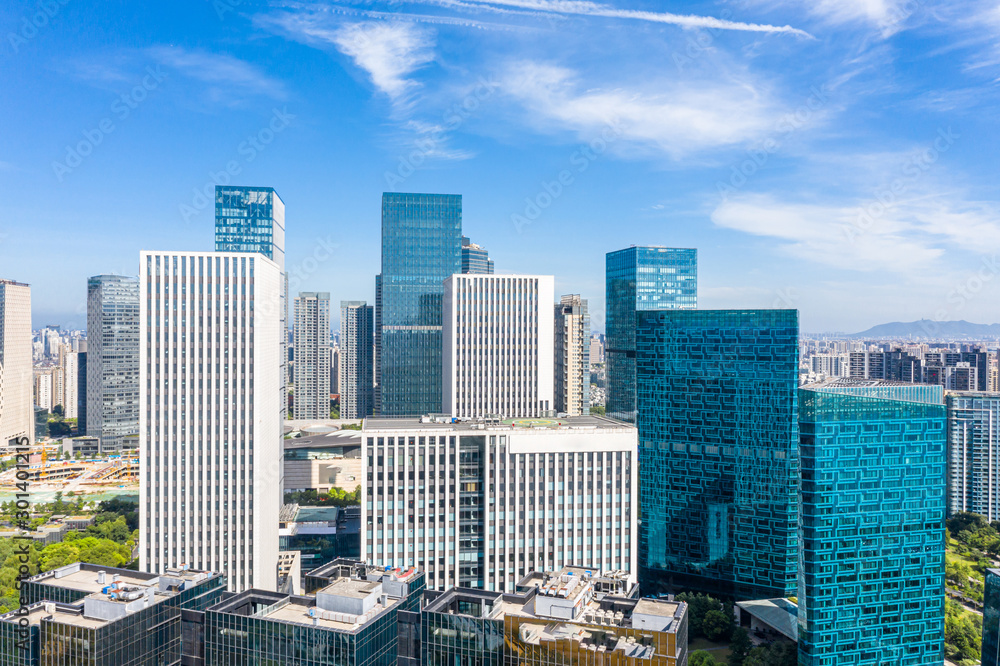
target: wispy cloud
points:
(586, 8)
(224, 74)
(664, 117)
(887, 16)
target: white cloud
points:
(388, 52)
(664, 116)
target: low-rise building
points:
(571, 616)
(349, 619)
(89, 615)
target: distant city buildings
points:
(572, 356)
(312, 355)
(481, 504)
(475, 259)
(954, 370)
(596, 349)
(871, 531)
(421, 247)
(112, 358)
(17, 414)
(640, 279)
(718, 442)
(211, 416)
(356, 364)
(498, 346)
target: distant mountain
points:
(928, 328)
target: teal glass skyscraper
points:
(991, 619)
(421, 246)
(641, 278)
(718, 451)
(250, 219)
(872, 534)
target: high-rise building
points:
(498, 346)
(596, 349)
(872, 533)
(17, 412)
(44, 389)
(211, 414)
(112, 359)
(81, 387)
(481, 504)
(718, 443)
(252, 219)
(312, 355)
(421, 246)
(974, 454)
(572, 356)
(355, 362)
(71, 378)
(991, 619)
(639, 279)
(475, 259)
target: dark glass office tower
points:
(641, 278)
(421, 246)
(718, 447)
(872, 534)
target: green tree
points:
(716, 626)
(739, 647)
(59, 411)
(757, 657)
(698, 606)
(702, 658)
(597, 410)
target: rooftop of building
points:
(310, 434)
(844, 382)
(109, 593)
(354, 595)
(568, 603)
(780, 614)
(446, 422)
(13, 283)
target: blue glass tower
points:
(718, 451)
(991, 619)
(250, 219)
(872, 534)
(641, 278)
(421, 246)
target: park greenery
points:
(335, 497)
(109, 541)
(973, 547)
(713, 620)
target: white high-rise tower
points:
(312, 355)
(498, 345)
(210, 414)
(17, 412)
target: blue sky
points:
(837, 156)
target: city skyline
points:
(873, 94)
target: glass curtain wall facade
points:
(718, 446)
(112, 359)
(421, 246)
(991, 619)
(640, 278)
(872, 534)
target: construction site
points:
(94, 479)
